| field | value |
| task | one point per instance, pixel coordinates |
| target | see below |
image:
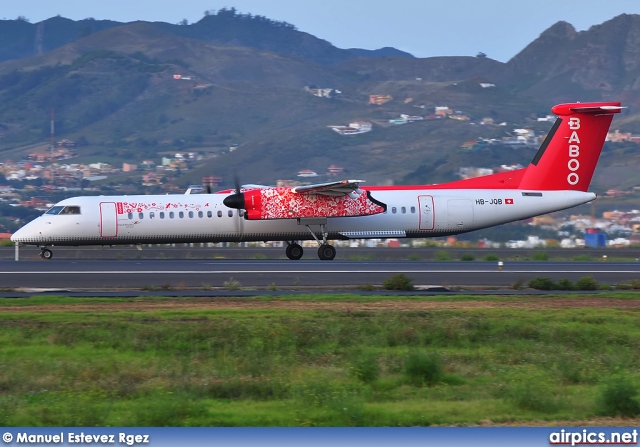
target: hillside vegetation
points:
(242, 80)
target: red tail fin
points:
(569, 154)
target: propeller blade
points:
(237, 184)
(235, 200)
(241, 211)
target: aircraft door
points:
(108, 219)
(427, 216)
(459, 214)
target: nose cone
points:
(234, 201)
(31, 233)
(19, 236)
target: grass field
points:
(320, 361)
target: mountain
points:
(20, 39)
(603, 61)
(380, 52)
(137, 91)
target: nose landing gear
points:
(45, 253)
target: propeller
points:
(236, 200)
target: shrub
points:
(541, 256)
(490, 257)
(441, 255)
(366, 368)
(565, 284)
(232, 284)
(398, 282)
(423, 369)
(542, 284)
(535, 394)
(467, 257)
(587, 283)
(619, 397)
(518, 284)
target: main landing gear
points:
(326, 251)
(45, 253)
(294, 251)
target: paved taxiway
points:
(199, 274)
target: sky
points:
(424, 28)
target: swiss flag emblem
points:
(508, 201)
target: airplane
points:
(557, 178)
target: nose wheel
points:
(45, 253)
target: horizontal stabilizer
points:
(566, 109)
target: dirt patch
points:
(146, 304)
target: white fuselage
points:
(113, 220)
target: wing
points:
(339, 188)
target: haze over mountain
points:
(242, 82)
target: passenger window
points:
(394, 210)
(200, 214)
(181, 214)
(190, 214)
(140, 216)
(219, 213)
(130, 216)
(413, 210)
(171, 214)
(403, 210)
(230, 213)
(152, 215)
(209, 213)
(161, 214)
(241, 213)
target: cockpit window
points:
(70, 210)
(64, 210)
(55, 210)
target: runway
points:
(264, 274)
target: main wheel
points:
(294, 252)
(45, 253)
(326, 252)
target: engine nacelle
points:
(285, 203)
